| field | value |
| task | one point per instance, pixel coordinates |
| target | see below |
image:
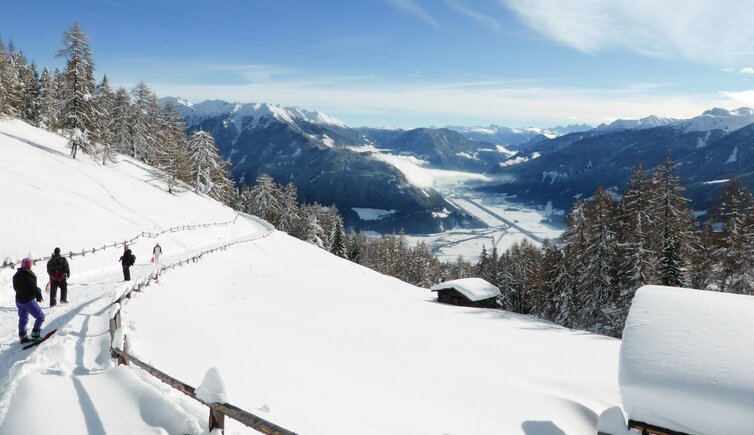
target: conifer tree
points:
(338, 239)
(172, 155)
(204, 159)
(143, 137)
(223, 186)
(31, 91)
(121, 127)
(264, 199)
(77, 108)
(673, 222)
(289, 210)
(47, 102)
(635, 222)
(4, 79)
(104, 103)
(597, 278)
(14, 81)
(735, 249)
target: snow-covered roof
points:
(686, 360)
(476, 289)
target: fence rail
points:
(218, 411)
(144, 234)
(119, 350)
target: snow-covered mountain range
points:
(716, 145)
(318, 153)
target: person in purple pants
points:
(27, 296)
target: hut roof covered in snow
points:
(476, 289)
(686, 360)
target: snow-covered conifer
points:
(104, 103)
(674, 223)
(338, 239)
(31, 90)
(735, 247)
(77, 106)
(46, 102)
(265, 199)
(597, 278)
(121, 126)
(289, 210)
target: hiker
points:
(127, 260)
(156, 254)
(27, 296)
(59, 272)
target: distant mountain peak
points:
(261, 110)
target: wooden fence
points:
(119, 350)
(144, 234)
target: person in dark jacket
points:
(127, 260)
(27, 296)
(59, 272)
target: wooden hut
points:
(468, 292)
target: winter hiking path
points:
(81, 347)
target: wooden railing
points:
(144, 234)
(119, 350)
(218, 411)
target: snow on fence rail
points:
(119, 350)
(8, 264)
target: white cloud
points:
(413, 8)
(742, 97)
(718, 32)
(464, 9)
(747, 70)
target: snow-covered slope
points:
(310, 341)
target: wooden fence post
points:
(122, 359)
(216, 420)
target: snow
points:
(689, 350)
(476, 289)
(372, 214)
(733, 158)
(554, 176)
(307, 340)
(716, 181)
(328, 141)
(468, 156)
(613, 422)
(518, 160)
(720, 119)
(212, 389)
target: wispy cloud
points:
(464, 9)
(703, 31)
(747, 70)
(412, 8)
(742, 97)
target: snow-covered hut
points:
(686, 362)
(468, 292)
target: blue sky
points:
(409, 63)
